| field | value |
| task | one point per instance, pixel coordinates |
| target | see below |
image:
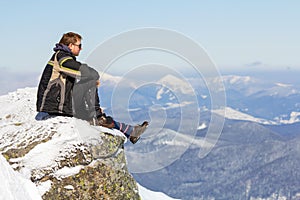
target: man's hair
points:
(69, 38)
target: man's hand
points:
(98, 83)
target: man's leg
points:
(124, 128)
(86, 101)
(131, 132)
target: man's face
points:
(75, 48)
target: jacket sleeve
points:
(69, 66)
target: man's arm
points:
(68, 65)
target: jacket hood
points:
(62, 47)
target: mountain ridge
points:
(247, 157)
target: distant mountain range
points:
(270, 102)
(256, 156)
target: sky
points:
(237, 35)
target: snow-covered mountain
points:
(271, 102)
(231, 113)
(254, 86)
(262, 98)
(19, 137)
(176, 84)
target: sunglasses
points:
(79, 45)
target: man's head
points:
(73, 41)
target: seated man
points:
(57, 94)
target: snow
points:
(204, 96)
(202, 126)
(133, 109)
(294, 117)
(68, 171)
(283, 85)
(231, 113)
(17, 185)
(177, 84)
(178, 140)
(178, 105)
(159, 94)
(150, 195)
(69, 187)
(234, 79)
(13, 185)
(104, 77)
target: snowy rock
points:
(77, 160)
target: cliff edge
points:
(66, 158)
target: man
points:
(69, 88)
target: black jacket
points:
(56, 84)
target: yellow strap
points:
(60, 68)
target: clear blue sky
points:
(236, 34)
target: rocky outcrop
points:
(102, 175)
(65, 157)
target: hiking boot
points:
(104, 121)
(138, 130)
